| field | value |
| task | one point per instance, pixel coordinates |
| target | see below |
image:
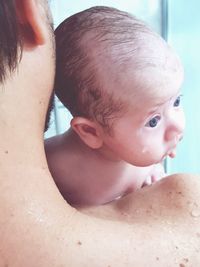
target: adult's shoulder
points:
(173, 197)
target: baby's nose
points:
(176, 125)
(174, 133)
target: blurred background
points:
(179, 23)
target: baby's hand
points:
(157, 173)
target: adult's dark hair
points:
(10, 42)
(84, 41)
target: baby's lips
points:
(172, 154)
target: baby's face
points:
(154, 123)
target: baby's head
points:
(121, 82)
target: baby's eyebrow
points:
(154, 108)
(157, 105)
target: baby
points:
(121, 82)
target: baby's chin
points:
(153, 160)
(148, 163)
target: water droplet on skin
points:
(144, 150)
(176, 139)
(125, 214)
(195, 213)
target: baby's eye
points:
(153, 122)
(177, 101)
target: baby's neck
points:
(86, 175)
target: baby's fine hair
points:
(84, 41)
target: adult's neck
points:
(22, 114)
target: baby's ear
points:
(90, 132)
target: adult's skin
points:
(158, 226)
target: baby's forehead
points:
(153, 80)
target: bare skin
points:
(85, 177)
(38, 228)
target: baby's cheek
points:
(145, 150)
(152, 146)
(153, 153)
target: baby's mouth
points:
(172, 153)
